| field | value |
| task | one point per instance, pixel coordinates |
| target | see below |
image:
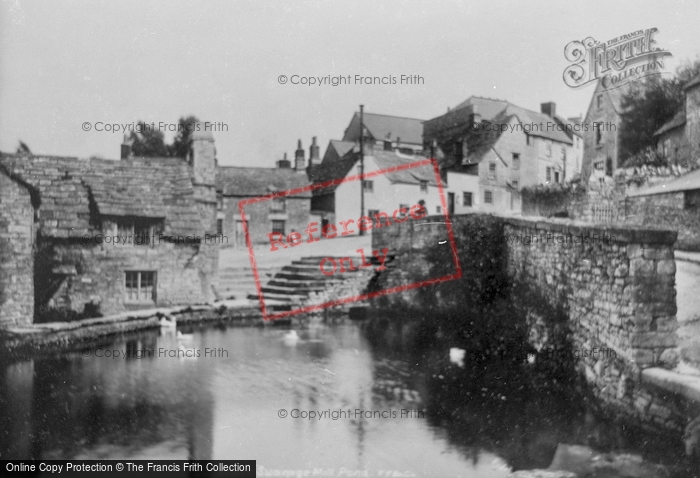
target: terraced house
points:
(80, 237)
(490, 149)
(283, 214)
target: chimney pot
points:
(299, 162)
(314, 153)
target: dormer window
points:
(139, 231)
(424, 186)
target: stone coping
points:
(687, 386)
(134, 315)
(619, 233)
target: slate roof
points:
(253, 182)
(409, 130)
(388, 159)
(342, 147)
(673, 123)
(489, 109)
(73, 191)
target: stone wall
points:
(668, 211)
(81, 274)
(605, 294)
(296, 217)
(16, 259)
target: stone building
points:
(674, 205)
(678, 140)
(490, 149)
(79, 237)
(602, 124)
(283, 214)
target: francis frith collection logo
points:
(633, 55)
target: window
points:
(278, 205)
(492, 170)
(278, 226)
(598, 133)
(600, 101)
(372, 212)
(423, 186)
(140, 286)
(563, 153)
(548, 147)
(220, 203)
(467, 199)
(516, 161)
(219, 227)
(142, 234)
(368, 186)
(405, 206)
(556, 176)
(125, 228)
(515, 184)
(438, 209)
(548, 176)
(488, 197)
(137, 231)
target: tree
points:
(651, 103)
(180, 145)
(148, 141)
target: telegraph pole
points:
(362, 166)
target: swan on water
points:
(457, 356)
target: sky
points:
(66, 63)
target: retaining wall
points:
(612, 291)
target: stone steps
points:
(295, 282)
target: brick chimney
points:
(126, 147)
(314, 153)
(299, 161)
(549, 109)
(284, 163)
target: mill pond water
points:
(400, 405)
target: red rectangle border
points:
(313, 308)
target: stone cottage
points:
(80, 237)
(490, 149)
(678, 140)
(283, 214)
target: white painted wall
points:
(386, 197)
(459, 183)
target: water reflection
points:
(159, 407)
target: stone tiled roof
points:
(253, 182)
(675, 122)
(72, 192)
